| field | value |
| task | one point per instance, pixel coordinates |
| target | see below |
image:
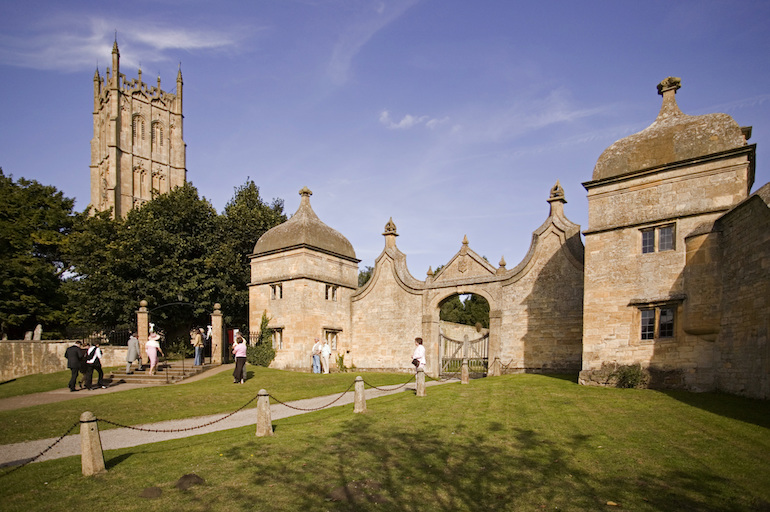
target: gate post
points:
(465, 378)
(420, 380)
(216, 335)
(360, 398)
(142, 328)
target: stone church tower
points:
(137, 151)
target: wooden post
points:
(91, 455)
(420, 379)
(465, 377)
(360, 396)
(264, 419)
(216, 335)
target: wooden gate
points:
(453, 352)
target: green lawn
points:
(518, 442)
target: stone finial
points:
(217, 306)
(390, 228)
(556, 191)
(465, 239)
(430, 271)
(502, 262)
(670, 83)
(115, 44)
(305, 192)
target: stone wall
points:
(21, 358)
(744, 361)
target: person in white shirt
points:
(317, 356)
(419, 354)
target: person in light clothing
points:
(153, 348)
(239, 351)
(419, 353)
(134, 353)
(317, 356)
(326, 351)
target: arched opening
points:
(464, 334)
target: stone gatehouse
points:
(674, 275)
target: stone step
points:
(166, 372)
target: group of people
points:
(82, 360)
(321, 353)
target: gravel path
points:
(112, 439)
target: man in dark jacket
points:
(74, 356)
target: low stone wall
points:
(29, 357)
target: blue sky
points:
(453, 117)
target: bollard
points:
(420, 380)
(465, 378)
(360, 396)
(496, 367)
(264, 420)
(91, 455)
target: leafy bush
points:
(630, 376)
(261, 354)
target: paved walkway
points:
(112, 439)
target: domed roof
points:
(673, 137)
(304, 229)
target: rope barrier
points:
(392, 389)
(171, 430)
(33, 459)
(314, 408)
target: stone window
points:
(660, 238)
(137, 129)
(277, 338)
(157, 136)
(657, 322)
(276, 291)
(331, 292)
(331, 335)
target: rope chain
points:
(33, 459)
(314, 408)
(392, 389)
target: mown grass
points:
(213, 395)
(519, 442)
(39, 383)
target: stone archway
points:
(463, 335)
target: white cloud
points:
(359, 32)
(409, 121)
(75, 42)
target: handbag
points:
(416, 362)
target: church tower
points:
(137, 151)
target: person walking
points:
(153, 348)
(196, 336)
(74, 356)
(239, 351)
(94, 362)
(134, 353)
(418, 356)
(316, 354)
(326, 351)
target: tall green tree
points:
(473, 310)
(34, 222)
(245, 218)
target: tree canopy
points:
(35, 220)
(175, 252)
(474, 309)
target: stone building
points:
(674, 276)
(137, 151)
(304, 276)
(677, 257)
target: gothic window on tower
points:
(157, 136)
(137, 129)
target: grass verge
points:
(518, 442)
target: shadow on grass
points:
(481, 467)
(748, 410)
(109, 464)
(7, 381)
